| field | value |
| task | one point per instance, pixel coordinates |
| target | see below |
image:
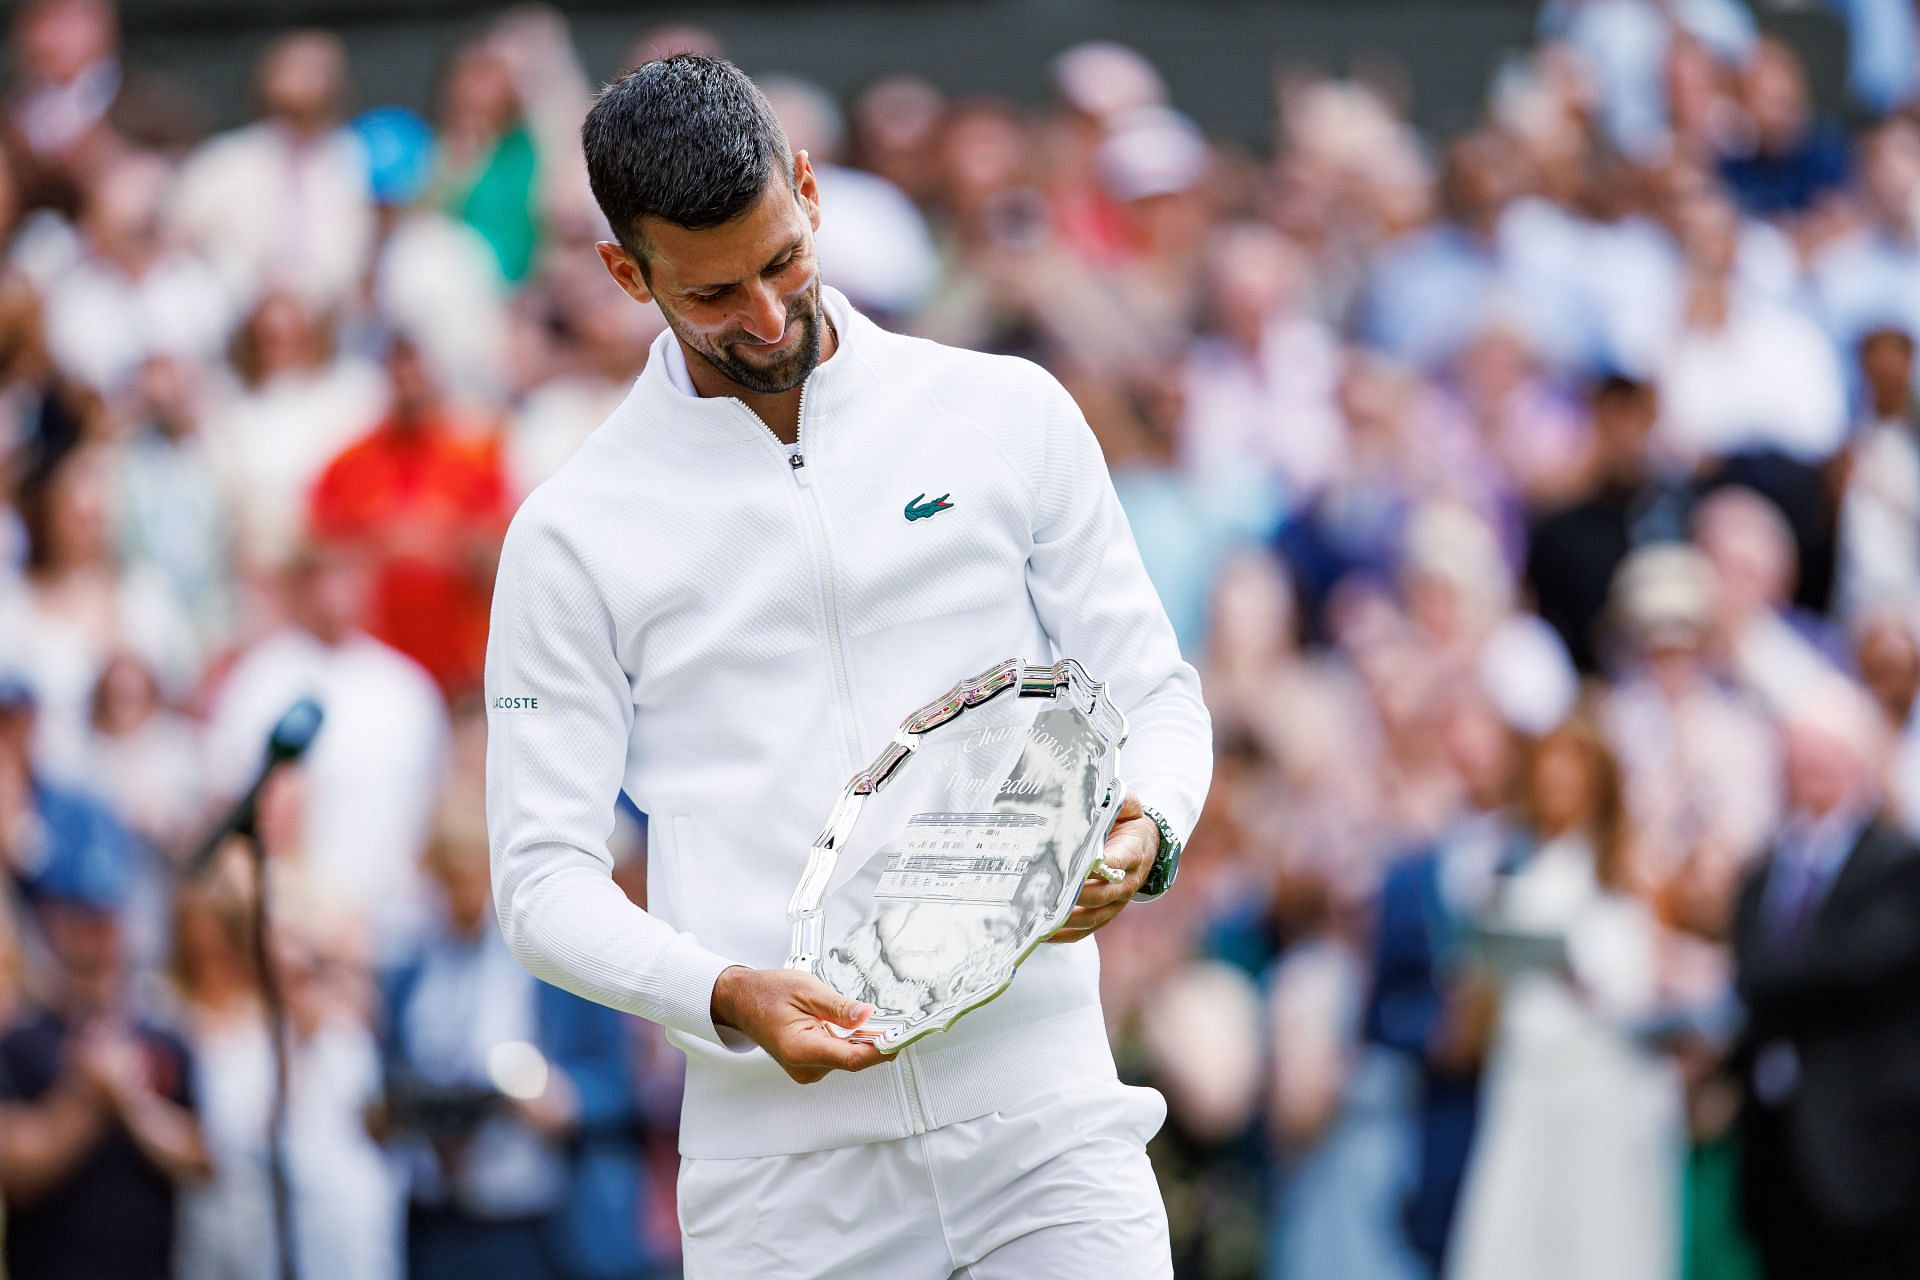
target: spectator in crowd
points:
(1772, 646)
(1883, 53)
(1266, 357)
(877, 239)
(283, 203)
(1792, 162)
(170, 513)
(343, 1199)
(1879, 534)
(510, 1102)
(1339, 1104)
(72, 98)
(132, 294)
(608, 341)
(145, 769)
(1576, 1166)
(1699, 755)
(67, 74)
(1744, 373)
(1210, 1148)
(1425, 1001)
(1826, 943)
(1402, 420)
(48, 830)
(489, 159)
(371, 778)
(1887, 653)
(295, 403)
(432, 276)
(1573, 552)
(103, 1105)
(77, 605)
(894, 122)
(1868, 276)
(422, 500)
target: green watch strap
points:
(1166, 865)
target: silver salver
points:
(959, 850)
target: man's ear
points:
(807, 189)
(624, 270)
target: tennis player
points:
(797, 528)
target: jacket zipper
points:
(910, 1084)
(816, 527)
(816, 524)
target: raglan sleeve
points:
(1092, 594)
(559, 716)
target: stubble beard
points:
(773, 379)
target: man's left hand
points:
(1132, 846)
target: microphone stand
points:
(273, 1005)
(291, 737)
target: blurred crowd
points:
(1541, 505)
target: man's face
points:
(86, 942)
(1822, 769)
(744, 296)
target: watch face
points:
(1161, 877)
(1166, 865)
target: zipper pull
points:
(796, 461)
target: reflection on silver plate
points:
(962, 847)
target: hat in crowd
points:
(91, 874)
(1451, 543)
(1526, 674)
(1151, 151)
(1663, 594)
(1103, 79)
(399, 148)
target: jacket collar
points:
(660, 399)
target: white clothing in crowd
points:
(371, 778)
(103, 323)
(268, 207)
(1575, 1171)
(346, 1198)
(1766, 379)
(62, 658)
(272, 442)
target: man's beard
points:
(790, 372)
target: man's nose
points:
(767, 314)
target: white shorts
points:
(1059, 1187)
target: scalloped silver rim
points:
(804, 908)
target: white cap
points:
(1527, 675)
(1665, 592)
(1102, 79)
(1152, 151)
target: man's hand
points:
(111, 1065)
(786, 1012)
(1132, 846)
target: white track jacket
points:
(683, 614)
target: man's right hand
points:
(786, 1012)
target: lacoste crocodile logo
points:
(920, 508)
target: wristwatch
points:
(1166, 865)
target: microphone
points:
(291, 736)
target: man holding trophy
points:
(796, 530)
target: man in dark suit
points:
(1827, 959)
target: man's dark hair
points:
(688, 139)
(1616, 386)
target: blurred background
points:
(1514, 404)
